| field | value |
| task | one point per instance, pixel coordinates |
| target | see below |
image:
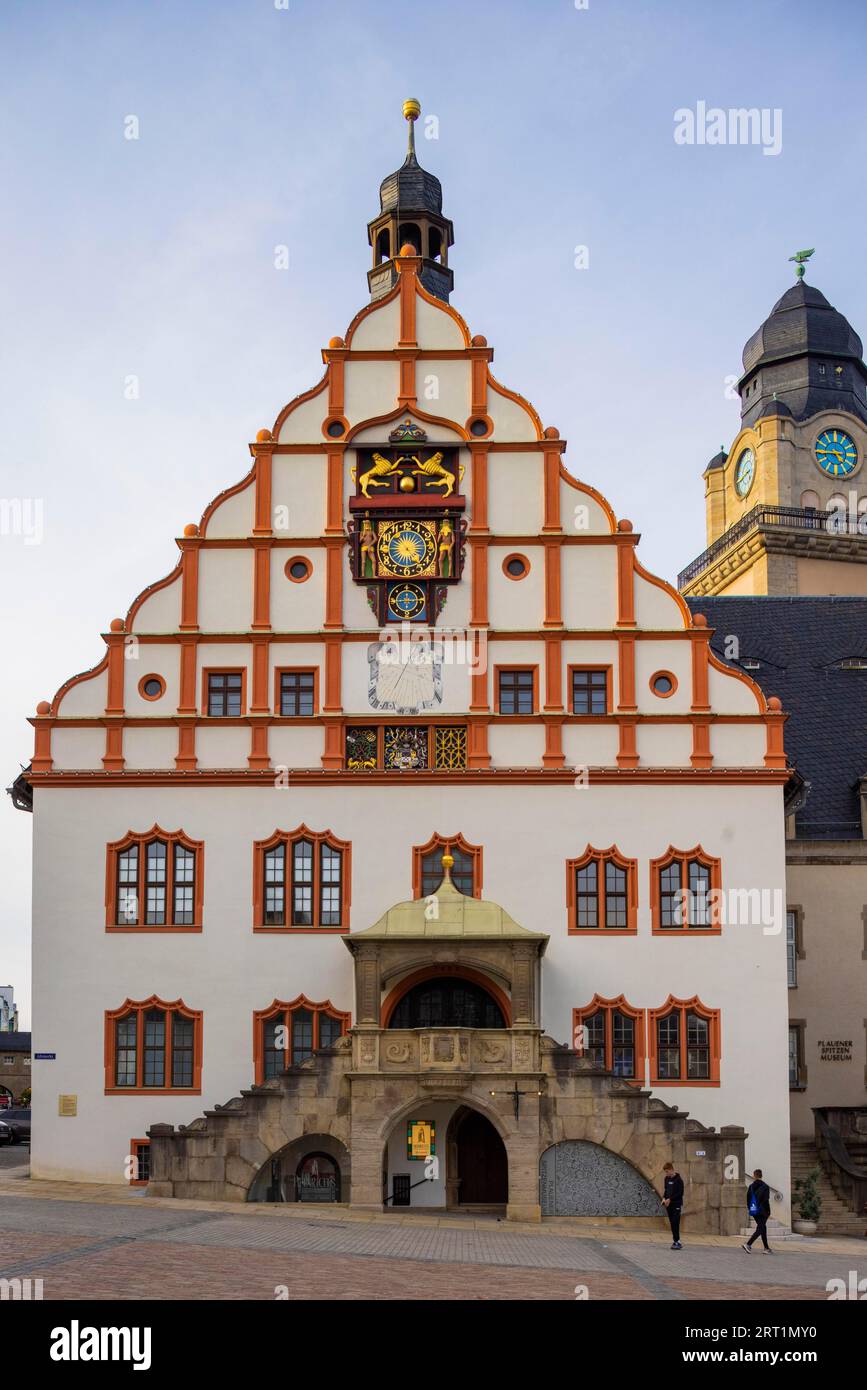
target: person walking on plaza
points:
(672, 1200)
(759, 1208)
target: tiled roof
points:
(14, 1042)
(799, 644)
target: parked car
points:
(17, 1121)
(5, 1133)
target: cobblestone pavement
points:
(129, 1248)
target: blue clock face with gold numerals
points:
(406, 549)
(836, 454)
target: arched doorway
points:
(577, 1178)
(447, 1002)
(313, 1168)
(478, 1168)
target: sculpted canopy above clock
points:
(406, 524)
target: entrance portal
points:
(478, 1166)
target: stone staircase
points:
(837, 1219)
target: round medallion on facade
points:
(745, 472)
(836, 453)
(406, 601)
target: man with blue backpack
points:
(759, 1208)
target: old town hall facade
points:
(389, 853)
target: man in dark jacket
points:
(672, 1200)
(759, 1208)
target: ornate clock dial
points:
(745, 471)
(406, 549)
(836, 453)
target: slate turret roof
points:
(800, 644)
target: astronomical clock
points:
(407, 525)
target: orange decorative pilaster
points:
(186, 756)
(332, 756)
(479, 581)
(774, 720)
(260, 703)
(333, 676)
(264, 467)
(333, 584)
(553, 612)
(334, 501)
(113, 757)
(625, 574)
(188, 702)
(627, 754)
(626, 674)
(261, 585)
(41, 761)
(479, 692)
(407, 266)
(479, 382)
(701, 754)
(477, 745)
(553, 673)
(553, 757)
(336, 377)
(406, 393)
(552, 520)
(479, 464)
(114, 693)
(189, 584)
(258, 758)
(700, 640)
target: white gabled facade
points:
(686, 755)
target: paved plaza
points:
(86, 1241)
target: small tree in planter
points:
(809, 1203)
(24, 1098)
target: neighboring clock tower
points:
(786, 506)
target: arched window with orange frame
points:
(286, 1034)
(684, 1038)
(684, 891)
(301, 882)
(154, 881)
(611, 1033)
(153, 1047)
(602, 893)
(427, 866)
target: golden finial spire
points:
(411, 112)
(448, 864)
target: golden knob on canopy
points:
(411, 109)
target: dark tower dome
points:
(410, 203)
(806, 357)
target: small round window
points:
(516, 566)
(151, 687)
(335, 429)
(298, 569)
(479, 427)
(663, 683)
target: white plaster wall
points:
(234, 516)
(514, 604)
(738, 745)
(161, 612)
(296, 747)
(443, 388)
(223, 745)
(528, 832)
(304, 424)
(87, 697)
(150, 748)
(664, 745)
(589, 585)
(380, 329)
(580, 512)
(370, 388)
(516, 745)
(297, 607)
(655, 607)
(591, 745)
(730, 695)
(158, 659)
(299, 483)
(226, 590)
(434, 327)
(515, 497)
(511, 420)
(652, 656)
(71, 748)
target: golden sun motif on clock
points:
(406, 549)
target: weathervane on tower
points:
(801, 258)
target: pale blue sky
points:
(261, 126)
